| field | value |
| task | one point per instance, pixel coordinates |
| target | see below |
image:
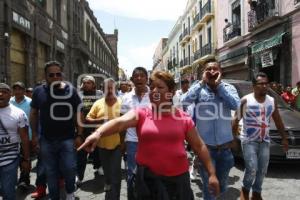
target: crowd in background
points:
(125, 116)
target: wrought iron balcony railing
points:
(262, 11)
(231, 31)
(206, 8)
(206, 49)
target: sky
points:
(140, 23)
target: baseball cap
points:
(19, 84)
(88, 78)
(4, 86)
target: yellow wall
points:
(17, 57)
(41, 59)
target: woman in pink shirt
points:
(163, 168)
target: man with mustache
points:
(214, 100)
(53, 112)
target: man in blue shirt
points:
(54, 107)
(21, 101)
(214, 100)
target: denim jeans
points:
(223, 161)
(59, 157)
(111, 160)
(40, 172)
(256, 159)
(8, 180)
(131, 148)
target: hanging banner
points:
(267, 59)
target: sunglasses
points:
(51, 75)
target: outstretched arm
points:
(117, 125)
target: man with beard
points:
(214, 100)
(256, 109)
(54, 107)
(89, 94)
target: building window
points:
(87, 37)
(58, 11)
(200, 42)
(236, 13)
(92, 40)
(42, 3)
(209, 36)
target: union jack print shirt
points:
(256, 119)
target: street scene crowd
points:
(148, 124)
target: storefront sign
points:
(22, 21)
(60, 44)
(267, 59)
(64, 34)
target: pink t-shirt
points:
(161, 141)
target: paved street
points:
(282, 183)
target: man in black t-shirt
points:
(54, 107)
(89, 95)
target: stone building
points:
(33, 32)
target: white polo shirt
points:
(131, 101)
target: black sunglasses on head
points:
(51, 75)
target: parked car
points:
(290, 118)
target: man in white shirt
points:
(13, 131)
(137, 97)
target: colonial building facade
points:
(192, 40)
(259, 35)
(34, 32)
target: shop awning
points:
(267, 44)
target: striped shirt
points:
(11, 119)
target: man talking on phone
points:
(214, 100)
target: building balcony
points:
(197, 54)
(185, 36)
(262, 13)
(197, 24)
(206, 12)
(181, 63)
(170, 65)
(174, 62)
(203, 54)
(184, 62)
(231, 32)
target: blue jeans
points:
(8, 180)
(131, 148)
(223, 161)
(59, 157)
(40, 172)
(256, 158)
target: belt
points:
(219, 147)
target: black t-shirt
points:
(57, 111)
(88, 99)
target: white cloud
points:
(137, 56)
(142, 9)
